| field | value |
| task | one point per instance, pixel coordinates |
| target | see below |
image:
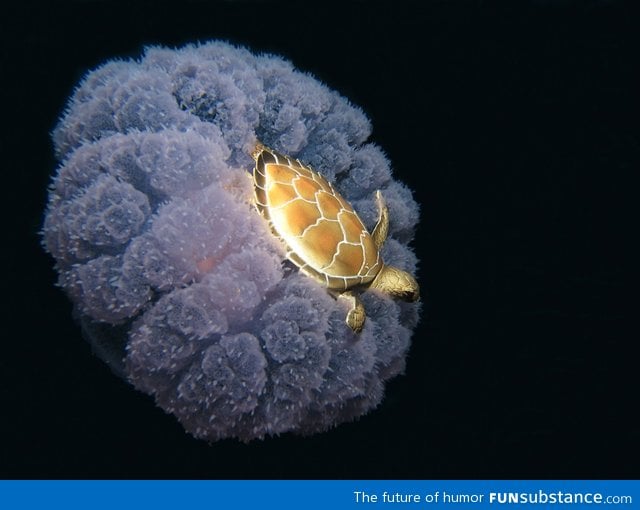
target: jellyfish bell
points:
(177, 282)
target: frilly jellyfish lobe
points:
(175, 278)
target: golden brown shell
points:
(323, 234)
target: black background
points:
(516, 123)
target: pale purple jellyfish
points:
(178, 282)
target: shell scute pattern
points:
(306, 188)
(329, 205)
(323, 234)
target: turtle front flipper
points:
(356, 314)
(381, 229)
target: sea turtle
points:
(322, 233)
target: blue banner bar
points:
(311, 495)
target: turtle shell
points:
(323, 235)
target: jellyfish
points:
(177, 281)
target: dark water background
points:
(515, 123)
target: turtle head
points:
(397, 283)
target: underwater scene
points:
(178, 282)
